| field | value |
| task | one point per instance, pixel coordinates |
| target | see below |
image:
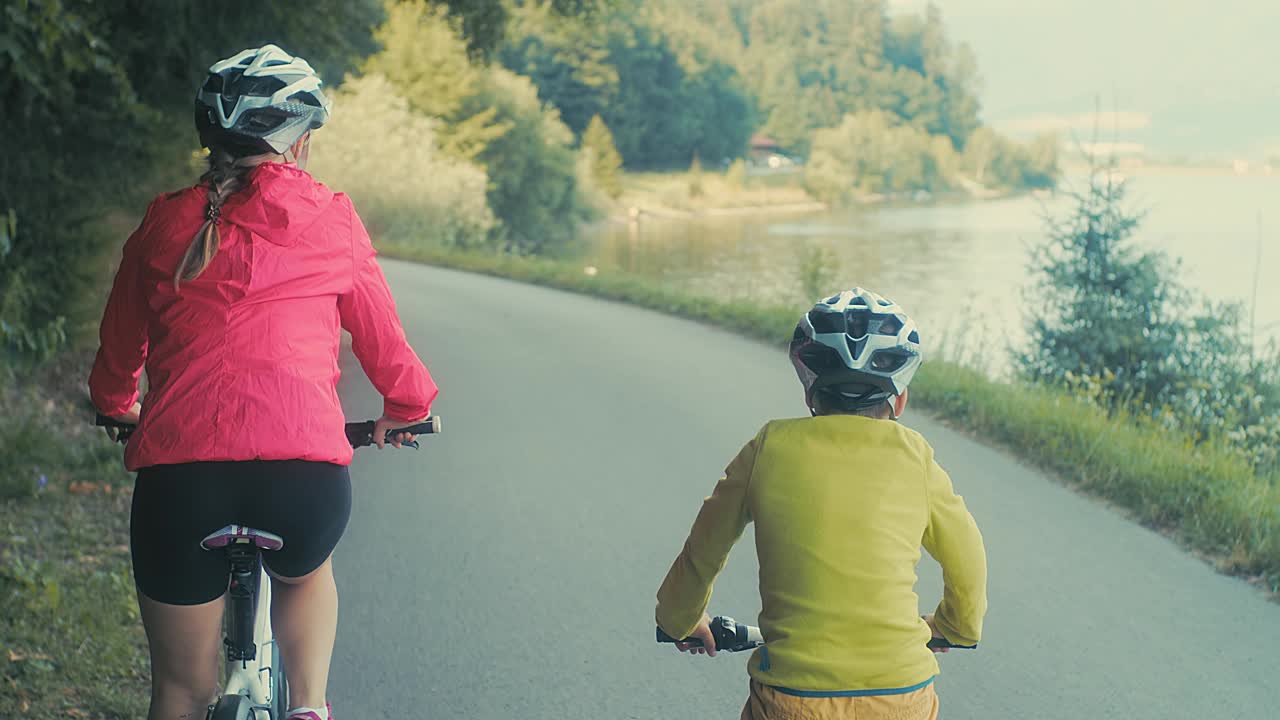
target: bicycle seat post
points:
(243, 557)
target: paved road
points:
(509, 570)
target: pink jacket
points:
(243, 362)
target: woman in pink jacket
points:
(232, 294)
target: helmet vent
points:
(820, 358)
(826, 322)
(914, 337)
(888, 361)
(857, 324)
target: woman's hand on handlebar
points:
(701, 632)
(129, 418)
(385, 424)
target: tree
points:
(605, 162)
(811, 62)
(665, 90)
(1114, 313)
(875, 152)
(484, 23)
(388, 158)
(1112, 321)
(94, 92)
(491, 117)
(1041, 168)
(980, 151)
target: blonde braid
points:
(224, 177)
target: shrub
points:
(389, 160)
(873, 152)
(1123, 332)
(488, 116)
(695, 178)
(736, 176)
(22, 345)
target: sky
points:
(1183, 77)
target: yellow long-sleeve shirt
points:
(841, 505)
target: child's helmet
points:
(261, 100)
(857, 348)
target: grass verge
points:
(1204, 495)
(71, 643)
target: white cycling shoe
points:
(305, 713)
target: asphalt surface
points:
(508, 570)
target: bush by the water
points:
(389, 160)
(876, 152)
(1114, 324)
(489, 116)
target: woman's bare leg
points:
(304, 618)
(185, 642)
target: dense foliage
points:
(673, 80)
(97, 114)
(97, 103)
(665, 98)
(388, 158)
(811, 62)
(489, 116)
(1125, 332)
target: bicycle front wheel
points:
(232, 707)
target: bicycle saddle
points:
(232, 533)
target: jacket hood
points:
(279, 203)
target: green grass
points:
(1204, 494)
(71, 644)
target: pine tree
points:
(605, 162)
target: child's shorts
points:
(767, 703)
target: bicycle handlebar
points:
(359, 434)
(733, 636)
(730, 635)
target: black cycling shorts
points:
(176, 506)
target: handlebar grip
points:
(125, 429)
(939, 643)
(665, 638)
(360, 434)
(430, 426)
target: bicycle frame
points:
(252, 660)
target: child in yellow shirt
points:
(842, 502)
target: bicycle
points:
(733, 636)
(252, 652)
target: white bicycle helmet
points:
(260, 100)
(857, 349)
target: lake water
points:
(962, 266)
